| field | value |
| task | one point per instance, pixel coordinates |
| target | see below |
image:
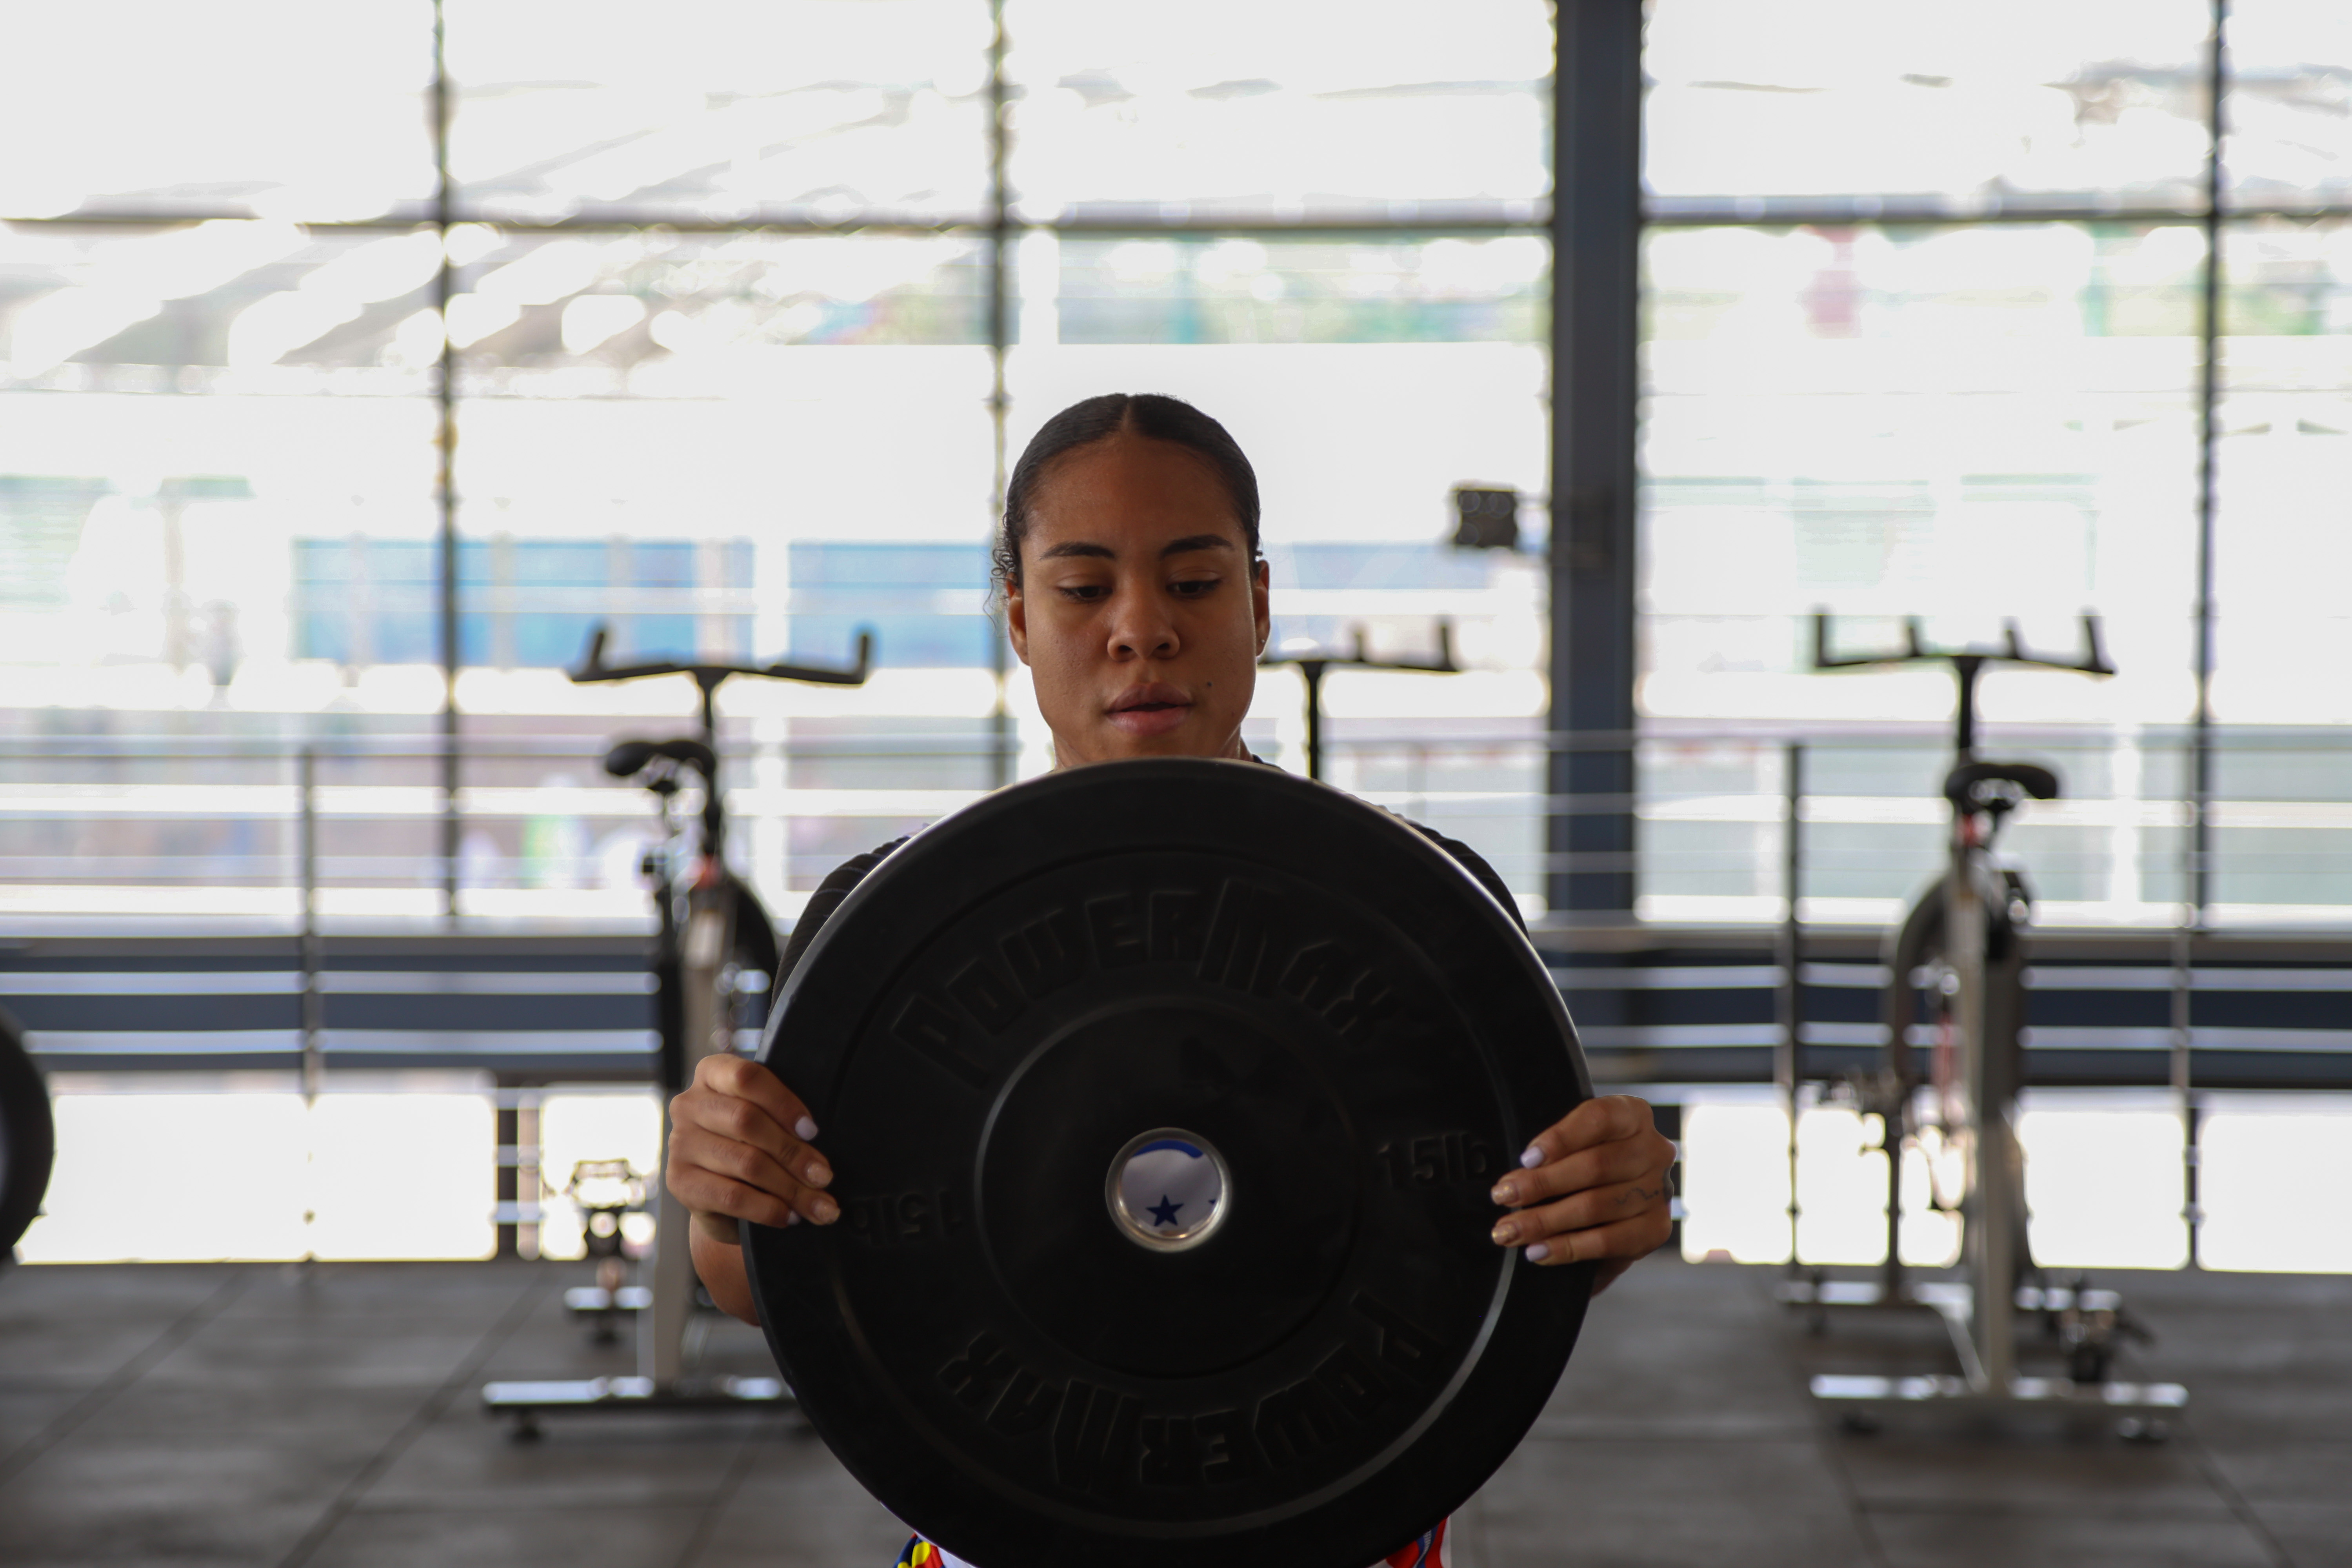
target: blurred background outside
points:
(355, 361)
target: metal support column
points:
(1788, 1056)
(445, 474)
(314, 1056)
(1596, 236)
(1002, 746)
(2209, 431)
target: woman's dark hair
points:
(1097, 419)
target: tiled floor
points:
(329, 1418)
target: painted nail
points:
(1538, 1252)
(805, 1128)
(825, 1210)
(1531, 1159)
(1505, 1195)
(818, 1176)
(1505, 1234)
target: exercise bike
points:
(1957, 980)
(714, 952)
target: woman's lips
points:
(1151, 719)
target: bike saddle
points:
(1998, 786)
(629, 758)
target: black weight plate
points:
(27, 1136)
(1299, 981)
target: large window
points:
(2003, 313)
(358, 361)
(352, 366)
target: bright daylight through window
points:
(323, 452)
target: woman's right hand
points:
(740, 1149)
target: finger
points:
(741, 1119)
(1627, 1239)
(1607, 1119)
(1587, 1210)
(751, 1080)
(709, 1192)
(692, 1149)
(1645, 1153)
(709, 1174)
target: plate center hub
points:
(1168, 1190)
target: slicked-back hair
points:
(1096, 419)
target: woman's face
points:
(1139, 612)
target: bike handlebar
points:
(592, 667)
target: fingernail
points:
(1538, 1252)
(818, 1176)
(1506, 1232)
(805, 1128)
(825, 1210)
(792, 1219)
(1504, 1194)
(1531, 1159)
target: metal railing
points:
(1730, 824)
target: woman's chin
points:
(1148, 724)
(1169, 733)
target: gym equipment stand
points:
(692, 959)
(1980, 909)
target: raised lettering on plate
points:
(940, 1035)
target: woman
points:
(1135, 592)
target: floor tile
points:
(267, 1410)
(2315, 1535)
(320, 1355)
(2024, 1464)
(465, 1460)
(368, 1291)
(1976, 1538)
(513, 1535)
(78, 1480)
(120, 1525)
(156, 1291)
(1653, 1355)
(850, 1533)
(1681, 1434)
(72, 1354)
(27, 1412)
(2290, 1472)
(1602, 1503)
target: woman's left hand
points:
(1594, 1187)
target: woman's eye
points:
(1192, 589)
(1083, 592)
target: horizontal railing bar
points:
(1524, 217)
(335, 981)
(1898, 212)
(1929, 735)
(1519, 217)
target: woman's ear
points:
(1261, 602)
(1016, 621)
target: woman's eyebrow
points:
(1195, 541)
(1174, 547)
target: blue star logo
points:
(1163, 1212)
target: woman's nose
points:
(1140, 628)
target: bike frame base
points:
(525, 1403)
(1954, 1392)
(1955, 1305)
(594, 1299)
